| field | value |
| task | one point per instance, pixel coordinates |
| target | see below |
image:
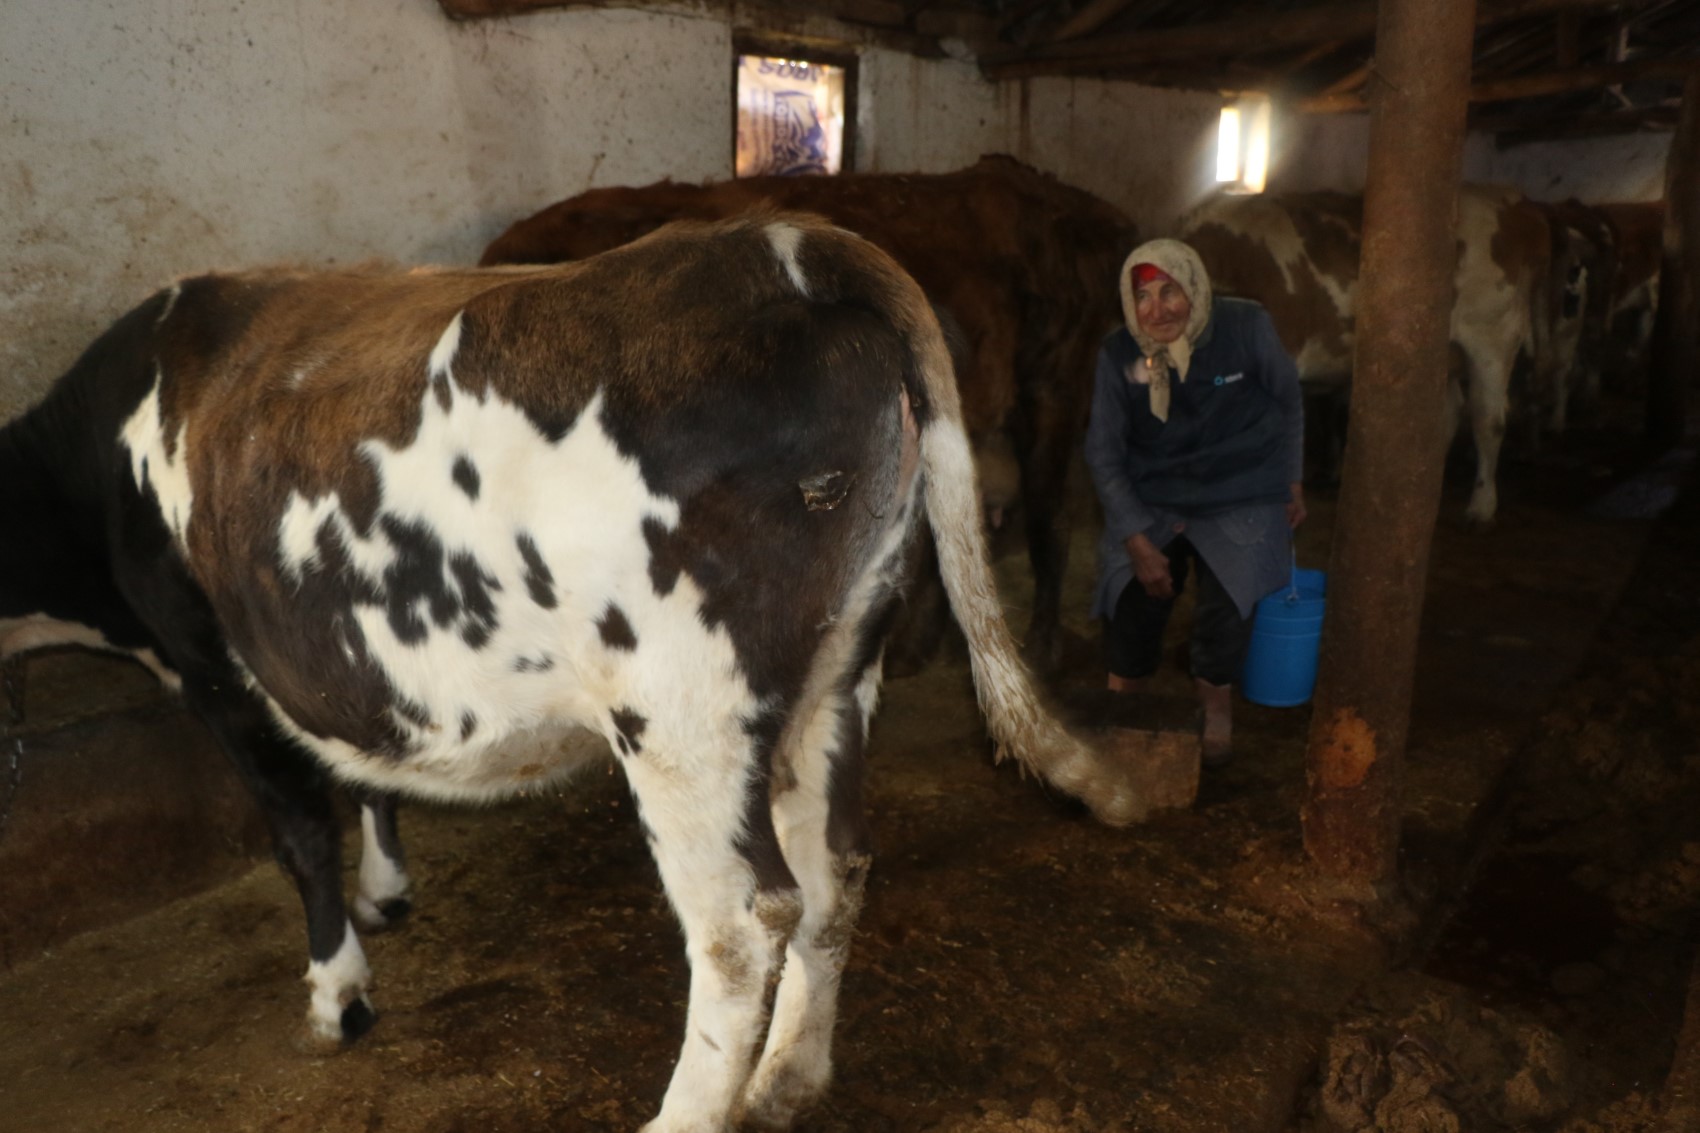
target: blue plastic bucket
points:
(1280, 665)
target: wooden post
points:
(1682, 1086)
(1390, 482)
(1676, 331)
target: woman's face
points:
(1163, 310)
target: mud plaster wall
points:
(140, 141)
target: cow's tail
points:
(1019, 722)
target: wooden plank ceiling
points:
(1543, 68)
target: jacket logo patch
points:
(1230, 379)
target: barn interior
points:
(1019, 968)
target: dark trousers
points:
(1133, 640)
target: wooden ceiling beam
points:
(1582, 78)
(1545, 83)
(1020, 12)
(1348, 82)
(1302, 27)
(1315, 55)
(1093, 16)
(1567, 39)
(1507, 135)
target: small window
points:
(795, 111)
(1242, 144)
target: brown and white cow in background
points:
(1633, 299)
(453, 534)
(1024, 265)
(1583, 235)
(1298, 255)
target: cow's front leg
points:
(385, 888)
(823, 829)
(712, 836)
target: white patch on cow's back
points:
(171, 296)
(583, 504)
(786, 240)
(165, 473)
(443, 353)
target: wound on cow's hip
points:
(827, 490)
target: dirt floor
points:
(1020, 969)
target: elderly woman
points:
(1196, 447)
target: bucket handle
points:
(1293, 595)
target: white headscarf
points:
(1180, 263)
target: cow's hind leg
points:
(383, 899)
(708, 824)
(823, 829)
(296, 800)
(1486, 397)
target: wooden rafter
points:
(1549, 129)
(1567, 39)
(1020, 12)
(1315, 55)
(1545, 83)
(1299, 28)
(1093, 16)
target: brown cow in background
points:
(1023, 265)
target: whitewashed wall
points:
(142, 139)
(1311, 152)
(1150, 152)
(1329, 151)
(1628, 167)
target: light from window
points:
(1242, 144)
(790, 117)
(1228, 145)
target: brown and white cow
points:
(1638, 234)
(1584, 237)
(453, 534)
(1023, 264)
(1298, 255)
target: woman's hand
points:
(1150, 567)
(1296, 505)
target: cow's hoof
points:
(381, 916)
(357, 1018)
(321, 1038)
(773, 1101)
(318, 1039)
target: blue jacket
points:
(1220, 467)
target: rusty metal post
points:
(1676, 330)
(1390, 482)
